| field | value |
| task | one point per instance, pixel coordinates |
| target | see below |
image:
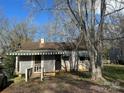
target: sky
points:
(19, 10)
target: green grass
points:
(115, 72)
(17, 80)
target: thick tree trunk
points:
(93, 67)
(65, 68)
(96, 61)
(99, 73)
(72, 60)
(99, 65)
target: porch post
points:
(42, 67)
(32, 62)
(16, 64)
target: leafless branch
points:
(120, 9)
(117, 38)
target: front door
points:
(37, 67)
(57, 62)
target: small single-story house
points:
(51, 56)
(116, 55)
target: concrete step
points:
(45, 76)
(35, 75)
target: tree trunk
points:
(96, 61)
(65, 68)
(93, 68)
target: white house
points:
(51, 56)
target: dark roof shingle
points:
(48, 45)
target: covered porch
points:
(50, 63)
(36, 59)
(37, 62)
(43, 62)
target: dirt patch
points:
(61, 84)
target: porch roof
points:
(37, 52)
(47, 52)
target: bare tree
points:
(83, 14)
(12, 36)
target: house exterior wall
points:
(65, 64)
(115, 55)
(29, 61)
(24, 63)
(49, 63)
(82, 65)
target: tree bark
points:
(95, 60)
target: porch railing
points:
(37, 68)
(28, 73)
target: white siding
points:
(24, 65)
(49, 63)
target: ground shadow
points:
(8, 84)
(84, 74)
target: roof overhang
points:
(47, 52)
(36, 52)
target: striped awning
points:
(47, 52)
(36, 52)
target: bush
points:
(9, 65)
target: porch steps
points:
(36, 76)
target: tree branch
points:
(117, 38)
(114, 11)
(68, 3)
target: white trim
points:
(19, 67)
(16, 65)
(42, 67)
(32, 61)
(36, 52)
(26, 75)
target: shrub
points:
(9, 65)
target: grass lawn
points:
(113, 72)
